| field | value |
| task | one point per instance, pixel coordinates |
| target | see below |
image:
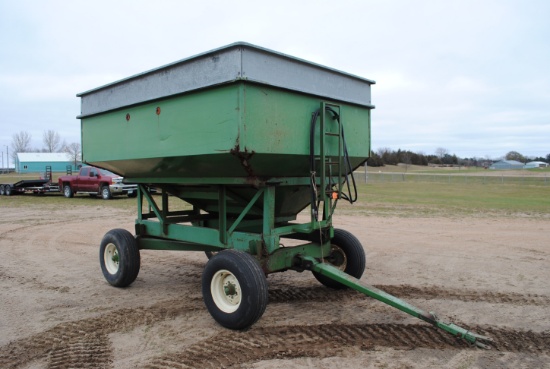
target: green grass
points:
(407, 199)
(58, 201)
(454, 199)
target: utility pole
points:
(7, 158)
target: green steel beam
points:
(358, 285)
(245, 210)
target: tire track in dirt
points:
(281, 295)
(85, 343)
(39, 222)
(232, 349)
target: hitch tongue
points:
(471, 337)
(371, 291)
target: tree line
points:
(383, 156)
(52, 143)
(442, 156)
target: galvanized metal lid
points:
(239, 61)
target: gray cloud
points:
(469, 76)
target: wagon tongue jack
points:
(336, 274)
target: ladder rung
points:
(332, 134)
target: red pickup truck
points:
(95, 181)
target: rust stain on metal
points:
(244, 157)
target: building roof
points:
(45, 157)
(537, 163)
(512, 162)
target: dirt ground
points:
(488, 274)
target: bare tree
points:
(74, 152)
(20, 143)
(440, 152)
(52, 141)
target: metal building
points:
(507, 164)
(36, 162)
(535, 164)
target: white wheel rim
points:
(226, 291)
(111, 258)
(105, 193)
(67, 191)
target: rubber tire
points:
(68, 191)
(129, 260)
(106, 193)
(1, 190)
(7, 190)
(354, 253)
(132, 195)
(210, 254)
(253, 285)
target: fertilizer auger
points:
(248, 138)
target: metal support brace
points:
(222, 203)
(270, 238)
(142, 192)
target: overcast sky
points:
(472, 77)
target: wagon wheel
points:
(346, 254)
(119, 257)
(210, 254)
(234, 289)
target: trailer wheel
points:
(106, 193)
(2, 192)
(68, 191)
(7, 190)
(347, 254)
(119, 257)
(210, 254)
(234, 289)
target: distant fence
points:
(378, 177)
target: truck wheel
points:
(119, 257)
(234, 289)
(210, 254)
(7, 190)
(68, 191)
(2, 190)
(106, 193)
(347, 254)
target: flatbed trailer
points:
(36, 186)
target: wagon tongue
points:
(358, 285)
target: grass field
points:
(407, 199)
(454, 199)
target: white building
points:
(535, 164)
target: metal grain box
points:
(237, 111)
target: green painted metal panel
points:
(235, 130)
(135, 141)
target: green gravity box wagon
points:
(248, 138)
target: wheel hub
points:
(111, 258)
(226, 291)
(337, 257)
